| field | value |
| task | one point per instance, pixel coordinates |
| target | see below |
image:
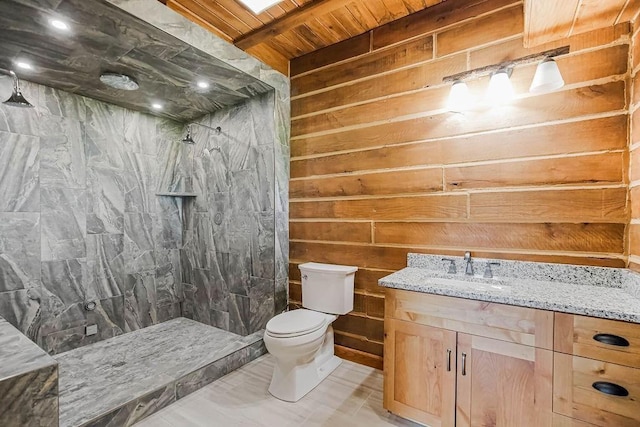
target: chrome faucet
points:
(469, 268)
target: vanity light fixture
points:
(459, 98)
(500, 90)
(546, 79)
(259, 6)
(59, 25)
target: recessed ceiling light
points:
(258, 6)
(156, 106)
(59, 25)
(202, 84)
(24, 65)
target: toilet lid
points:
(295, 323)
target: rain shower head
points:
(187, 139)
(17, 99)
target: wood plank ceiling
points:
(294, 28)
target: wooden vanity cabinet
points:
(596, 371)
(451, 361)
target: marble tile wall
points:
(229, 255)
(156, 14)
(80, 220)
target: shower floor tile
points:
(97, 379)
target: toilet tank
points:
(327, 288)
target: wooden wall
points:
(634, 152)
(380, 168)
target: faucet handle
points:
(452, 265)
(488, 274)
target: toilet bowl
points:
(301, 341)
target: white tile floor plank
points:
(351, 396)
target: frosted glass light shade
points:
(500, 90)
(459, 97)
(259, 6)
(547, 77)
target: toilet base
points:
(294, 384)
(292, 381)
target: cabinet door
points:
(503, 384)
(420, 372)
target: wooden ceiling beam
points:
(289, 21)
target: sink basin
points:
(473, 283)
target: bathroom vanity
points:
(533, 345)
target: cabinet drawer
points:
(609, 340)
(575, 395)
(520, 325)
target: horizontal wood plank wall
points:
(634, 152)
(380, 168)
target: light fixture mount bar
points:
(490, 69)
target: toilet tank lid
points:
(327, 268)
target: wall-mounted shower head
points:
(16, 99)
(187, 139)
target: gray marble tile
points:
(220, 217)
(105, 265)
(97, 380)
(203, 376)
(65, 329)
(169, 311)
(140, 133)
(104, 135)
(64, 222)
(20, 166)
(173, 158)
(140, 182)
(30, 399)
(22, 310)
(59, 103)
(105, 201)
(18, 353)
(64, 280)
(62, 155)
(137, 409)
(263, 246)
(19, 251)
(281, 245)
(168, 223)
(140, 301)
(138, 243)
(197, 297)
(261, 304)
(219, 274)
(239, 271)
(239, 314)
(281, 295)
(220, 319)
(168, 277)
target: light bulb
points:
(500, 90)
(547, 77)
(59, 25)
(459, 98)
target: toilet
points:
(301, 341)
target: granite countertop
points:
(592, 291)
(19, 354)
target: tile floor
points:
(350, 396)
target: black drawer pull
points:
(611, 340)
(610, 388)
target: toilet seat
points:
(295, 323)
